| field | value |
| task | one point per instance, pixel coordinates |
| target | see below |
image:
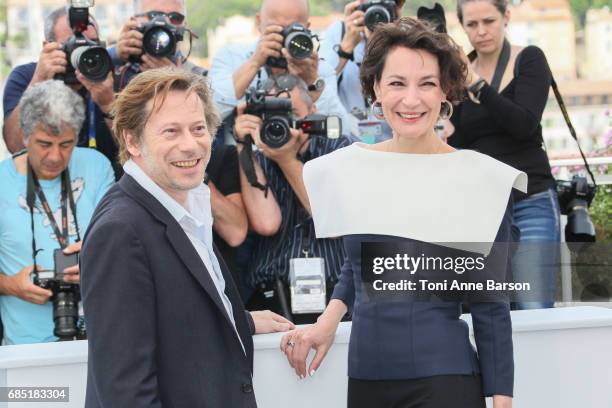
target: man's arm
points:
(20, 285)
(230, 219)
(119, 303)
(293, 169)
(11, 132)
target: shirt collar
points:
(198, 199)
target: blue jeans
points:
(538, 254)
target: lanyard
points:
(34, 189)
(91, 137)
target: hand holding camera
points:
(25, 289)
(52, 61)
(130, 41)
(269, 46)
(353, 26)
(245, 124)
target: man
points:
(281, 170)
(130, 48)
(236, 68)
(52, 61)
(165, 323)
(343, 47)
(51, 116)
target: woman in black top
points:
(508, 89)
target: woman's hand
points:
(297, 343)
(502, 401)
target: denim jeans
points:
(538, 254)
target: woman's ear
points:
(506, 17)
(377, 91)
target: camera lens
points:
(299, 45)
(275, 132)
(92, 61)
(159, 42)
(65, 314)
(376, 15)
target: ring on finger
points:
(290, 343)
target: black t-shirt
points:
(506, 125)
(18, 82)
(223, 171)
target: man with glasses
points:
(281, 216)
(95, 132)
(235, 68)
(129, 49)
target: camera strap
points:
(67, 198)
(248, 165)
(91, 135)
(566, 117)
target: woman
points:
(407, 353)
(508, 89)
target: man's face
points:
(165, 6)
(300, 107)
(175, 145)
(282, 13)
(48, 154)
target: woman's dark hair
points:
(500, 5)
(416, 35)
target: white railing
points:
(564, 165)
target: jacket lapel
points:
(180, 242)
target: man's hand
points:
(102, 93)
(287, 152)
(354, 24)
(150, 62)
(23, 288)
(246, 124)
(270, 45)
(307, 68)
(72, 274)
(130, 41)
(52, 61)
(270, 322)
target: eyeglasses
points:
(280, 83)
(175, 17)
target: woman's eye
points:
(429, 83)
(396, 83)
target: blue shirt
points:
(349, 85)
(228, 59)
(91, 176)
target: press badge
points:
(307, 285)
(370, 131)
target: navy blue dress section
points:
(393, 340)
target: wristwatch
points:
(317, 86)
(343, 54)
(475, 89)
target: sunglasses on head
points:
(175, 17)
(279, 83)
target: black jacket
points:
(158, 332)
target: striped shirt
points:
(271, 255)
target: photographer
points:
(343, 48)
(280, 170)
(52, 61)
(51, 116)
(168, 17)
(235, 68)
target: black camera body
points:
(90, 57)
(575, 197)
(378, 12)
(160, 39)
(65, 298)
(277, 117)
(435, 16)
(298, 40)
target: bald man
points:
(237, 67)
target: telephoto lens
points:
(378, 12)
(298, 41)
(65, 314)
(92, 61)
(275, 131)
(160, 38)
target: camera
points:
(88, 56)
(297, 39)
(378, 12)
(65, 298)
(277, 116)
(434, 16)
(575, 197)
(160, 38)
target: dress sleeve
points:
(521, 115)
(345, 288)
(493, 326)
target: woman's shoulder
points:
(529, 54)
